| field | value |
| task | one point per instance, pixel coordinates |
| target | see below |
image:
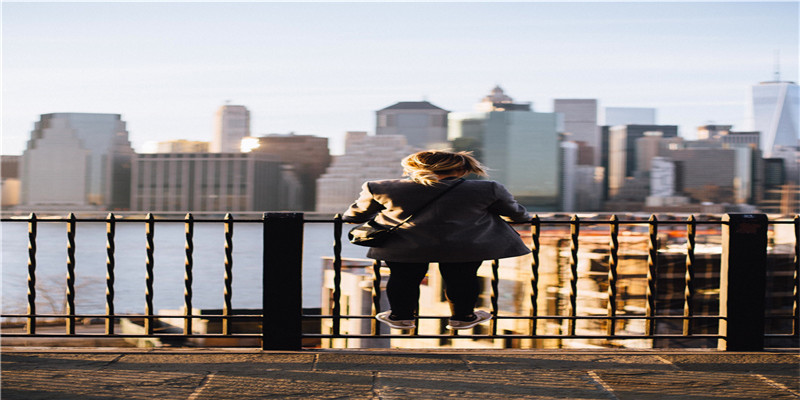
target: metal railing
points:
(741, 318)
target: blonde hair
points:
(424, 166)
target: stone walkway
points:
(115, 373)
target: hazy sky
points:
(325, 68)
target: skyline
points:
(325, 68)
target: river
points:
(169, 256)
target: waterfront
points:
(169, 255)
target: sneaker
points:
(386, 318)
(479, 316)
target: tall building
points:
(580, 123)
(77, 161)
(232, 124)
(218, 182)
(423, 124)
(308, 155)
(715, 175)
(519, 146)
(629, 116)
(569, 164)
(775, 109)
(182, 146)
(622, 151)
(365, 158)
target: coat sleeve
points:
(364, 208)
(506, 207)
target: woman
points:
(458, 231)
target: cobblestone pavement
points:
(115, 373)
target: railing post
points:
(111, 229)
(70, 311)
(30, 327)
(228, 278)
(282, 304)
(188, 274)
(742, 282)
(149, 232)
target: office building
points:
(520, 147)
(588, 188)
(232, 124)
(622, 151)
(77, 161)
(182, 146)
(580, 123)
(423, 124)
(365, 158)
(715, 175)
(308, 155)
(212, 182)
(775, 109)
(723, 136)
(569, 165)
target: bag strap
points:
(422, 207)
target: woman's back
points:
(463, 225)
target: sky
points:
(325, 68)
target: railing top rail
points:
(253, 217)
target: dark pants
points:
(460, 280)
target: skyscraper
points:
(365, 158)
(519, 146)
(423, 124)
(232, 124)
(580, 123)
(213, 182)
(775, 108)
(308, 156)
(77, 161)
(622, 151)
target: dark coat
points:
(463, 225)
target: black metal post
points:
(282, 290)
(111, 229)
(70, 274)
(30, 327)
(228, 278)
(743, 282)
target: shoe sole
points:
(471, 324)
(392, 325)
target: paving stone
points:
(33, 374)
(390, 362)
(689, 385)
(569, 362)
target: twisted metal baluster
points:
(652, 265)
(30, 327)
(111, 229)
(188, 277)
(495, 293)
(613, 264)
(376, 294)
(796, 293)
(226, 311)
(337, 273)
(148, 278)
(71, 274)
(573, 280)
(688, 293)
(535, 227)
